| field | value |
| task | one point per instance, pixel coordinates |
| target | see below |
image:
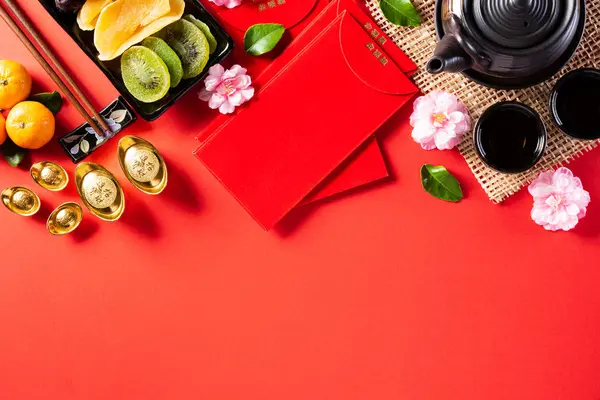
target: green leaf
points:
(440, 183)
(262, 38)
(53, 101)
(400, 12)
(13, 153)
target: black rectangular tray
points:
(112, 68)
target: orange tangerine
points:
(30, 125)
(2, 129)
(15, 83)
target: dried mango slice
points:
(88, 15)
(157, 9)
(120, 24)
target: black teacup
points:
(510, 137)
(575, 103)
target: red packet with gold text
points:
(347, 87)
(367, 165)
(388, 46)
(295, 15)
(289, 13)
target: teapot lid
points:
(521, 24)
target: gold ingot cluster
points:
(97, 187)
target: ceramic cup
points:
(510, 137)
(575, 104)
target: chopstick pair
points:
(74, 93)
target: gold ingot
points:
(100, 191)
(49, 175)
(21, 201)
(142, 164)
(65, 219)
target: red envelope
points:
(393, 51)
(277, 149)
(367, 165)
(294, 15)
(289, 13)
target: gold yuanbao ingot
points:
(65, 219)
(21, 201)
(100, 191)
(49, 175)
(142, 164)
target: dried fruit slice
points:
(145, 74)
(212, 42)
(153, 11)
(190, 44)
(167, 54)
(88, 15)
(120, 24)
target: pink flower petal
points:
(456, 117)
(226, 89)
(439, 120)
(232, 3)
(445, 102)
(216, 70)
(572, 209)
(428, 145)
(242, 81)
(559, 200)
(227, 3)
(211, 83)
(204, 95)
(214, 78)
(247, 94)
(234, 71)
(445, 140)
(216, 101)
(423, 132)
(226, 108)
(424, 104)
(236, 99)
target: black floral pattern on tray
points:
(84, 140)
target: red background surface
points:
(384, 294)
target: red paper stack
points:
(309, 131)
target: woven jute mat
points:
(419, 44)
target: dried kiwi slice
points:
(167, 54)
(189, 43)
(212, 42)
(145, 74)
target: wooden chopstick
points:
(103, 128)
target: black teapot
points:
(506, 44)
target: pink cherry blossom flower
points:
(559, 200)
(226, 90)
(227, 3)
(439, 120)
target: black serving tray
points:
(112, 68)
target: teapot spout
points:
(449, 56)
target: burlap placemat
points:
(419, 44)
